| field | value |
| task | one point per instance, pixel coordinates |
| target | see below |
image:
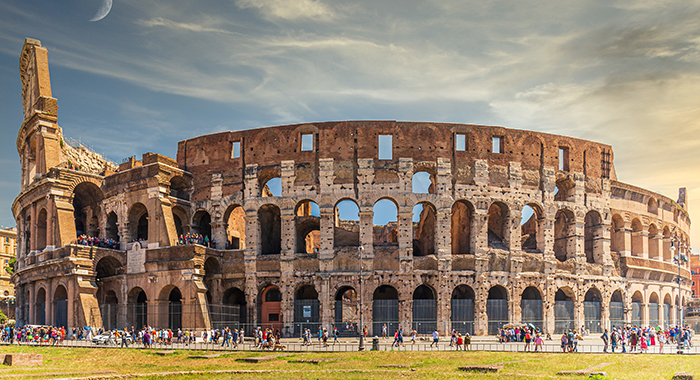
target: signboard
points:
(307, 311)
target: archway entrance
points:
(637, 308)
(653, 310)
(591, 310)
(306, 310)
(175, 309)
(346, 313)
(563, 310)
(40, 307)
(463, 309)
(497, 308)
(424, 310)
(385, 309)
(531, 307)
(269, 315)
(138, 308)
(231, 312)
(60, 298)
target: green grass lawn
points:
(83, 362)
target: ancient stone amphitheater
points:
(451, 225)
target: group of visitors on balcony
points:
(194, 238)
(93, 241)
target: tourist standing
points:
(605, 339)
(436, 338)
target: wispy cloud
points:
(290, 9)
(192, 27)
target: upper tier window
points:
(460, 142)
(496, 145)
(307, 142)
(385, 147)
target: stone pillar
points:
(327, 230)
(287, 308)
(50, 223)
(124, 234)
(645, 313)
(627, 238)
(405, 226)
(218, 231)
(480, 317)
(34, 221)
(289, 232)
(367, 239)
(645, 243)
(443, 241)
(548, 312)
(605, 315)
(444, 307)
(325, 300)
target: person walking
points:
(605, 339)
(436, 338)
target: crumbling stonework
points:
(289, 215)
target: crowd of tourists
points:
(33, 334)
(194, 238)
(646, 339)
(93, 241)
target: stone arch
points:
(269, 314)
(637, 238)
(108, 303)
(652, 206)
(41, 222)
(617, 309)
(346, 223)
(112, 228)
(174, 308)
(424, 227)
(270, 184)
(232, 311)
(617, 235)
(564, 235)
(40, 306)
(137, 307)
(385, 222)
(667, 309)
(270, 229)
(497, 308)
(653, 307)
(667, 255)
(346, 310)
(593, 237)
(307, 219)
(532, 228)
(424, 309)
(637, 300)
(138, 222)
(201, 224)
(498, 235)
(565, 189)
(235, 227)
(108, 266)
(179, 188)
(653, 242)
(462, 308)
(179, 219)
(306, 309)
(564, 300)
(460, 230)
(385, 308)
(532, 307)
(60, 305)
(87, 198)
(423, 182)
(592, 310)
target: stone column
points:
(326, 250)
(443, 241)
(645, 313)
(218, 231)
(645, 243)
(480, 317)
(32, 242)
(605, 315)
(326, 303)
(627, 238)
(367, 239)
(50, 223)
(405, 225)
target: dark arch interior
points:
(306, 292)
(386, 292)
(423, 292)
(273, 295)
(60, 293)
(463, 292)
(562, 296)
(211, 266)
(498, 293)
(346, 293)
(234, 296)
(592, 296)
(108, 267)
(175, 296)
(270, 230)
(616, 296)
(531, 293)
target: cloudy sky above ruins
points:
(151, 73)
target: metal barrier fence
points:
(563, 316)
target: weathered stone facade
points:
(291, 209)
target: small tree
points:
(3, 317)
(10, 268)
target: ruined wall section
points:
(83, 159)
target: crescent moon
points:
(103, 11)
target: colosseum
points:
(414, 224)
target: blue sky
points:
(153, 73)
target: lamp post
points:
(360, 250)
(679, 259)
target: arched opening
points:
(109, 304)
(138, 308)
(201, 224)
(111, 229)
(138, 222)
(564, 235)
(531, 307)
(653, 242)
(86, 204)
(497, 308)
(40, 307)
(653, 310)
(652, 206)
(272, 188)
(424, 310)
(307, 218)
(591, 310)
(41, 230)
(232, 310)
(617, 235)
(460, 230)
(346, 312)
(385, 309)
(235, 227)
(179, 188)
(270, 311)
(565, 190)
(424, 221)
(667, 245)
(593, 237)
(175, 309)
(60, 299)
(385, 223)
(667, 309)
(423, 183)
(462, 306)
(270, 229)
(637, 300)
(306, 310)
(532, 229)
(563, 310)
(617, 310)
(497, 225)
(346, 227)
(27, 231)
(637, 238)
